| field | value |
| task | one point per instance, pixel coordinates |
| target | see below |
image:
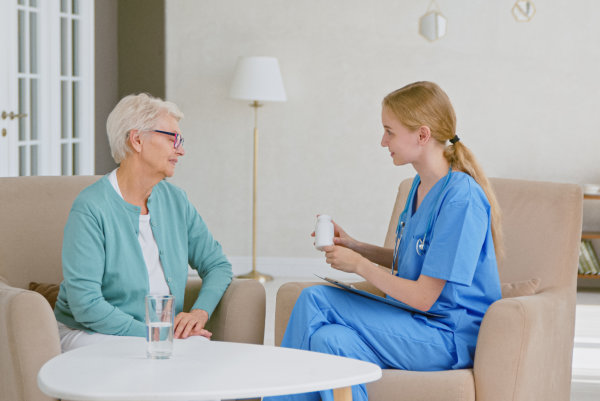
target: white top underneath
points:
(156, 274)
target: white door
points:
(46, 81)
(8, 65)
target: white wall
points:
(526, 96)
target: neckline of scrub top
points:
(432, 191)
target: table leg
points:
(342, 394)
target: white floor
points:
(586, 354)
(585, 385)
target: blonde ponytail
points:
(462, 159)
(425, 103)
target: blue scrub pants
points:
(333, 321)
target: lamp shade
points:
(257, 78)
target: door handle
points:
(12, 115)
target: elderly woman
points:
(132, 233)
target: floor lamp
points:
(257, 79)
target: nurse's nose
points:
(384, 141)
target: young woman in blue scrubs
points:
(444, 261)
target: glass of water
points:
(160, 313)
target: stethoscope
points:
(421, 245)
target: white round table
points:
(199, 370)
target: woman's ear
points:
(135, 140)
(424, 134)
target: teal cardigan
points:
(105, 276)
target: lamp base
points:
(254, 275)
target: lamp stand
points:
(254, 274)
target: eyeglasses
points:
(178, 138)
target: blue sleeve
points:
(83, 257)
(206, 256)
(458, 237)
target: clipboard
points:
(389, 301)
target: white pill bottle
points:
(323, 232)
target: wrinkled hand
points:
(191, 324)
(342, 258)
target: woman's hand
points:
(340, 237)
(191, 324)
(344, 259)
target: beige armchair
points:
(525, 344)
(33, 212)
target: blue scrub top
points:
(461, 251)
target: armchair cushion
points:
(520, 288)
(29, 336)
(48, 291)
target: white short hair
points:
(135, 112)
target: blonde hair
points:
(135, 112)
(426, 104)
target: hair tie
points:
(454, 139)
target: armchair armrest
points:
(28, 339)
(521, 337)
(240, 315)
(368, 287)
(287, 295)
